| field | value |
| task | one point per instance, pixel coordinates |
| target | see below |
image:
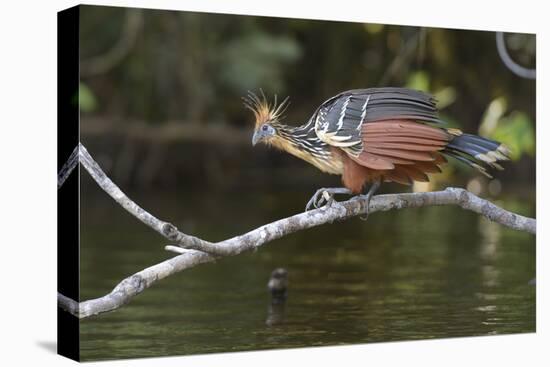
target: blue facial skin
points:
(265, 131)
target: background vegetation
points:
(160, 90)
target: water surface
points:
(403, 275)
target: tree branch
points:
(68, 167)
(194, 251)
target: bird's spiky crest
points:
(262, 109)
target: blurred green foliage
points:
(193, 68)
(419, 80)
(516, 131)
(258, 59)
(86, 99)
(176, 62)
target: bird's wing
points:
(391, 143)
(404, 150)
(339, 120)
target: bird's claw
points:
(365, 215)
(322, 197)
(369, 196)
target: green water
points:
(403, 275)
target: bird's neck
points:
(297, 134)
(291, 139)
(302, 142)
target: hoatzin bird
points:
(371, 136)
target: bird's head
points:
(267, 116)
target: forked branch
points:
(194, 251)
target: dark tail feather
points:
(477, 152)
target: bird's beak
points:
(256, 137)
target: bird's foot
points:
(325, 196)
(369, 196)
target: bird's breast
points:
(333, 164)
(321, 156)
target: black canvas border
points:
(68, 203)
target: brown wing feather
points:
(373, 161)
(398, 176)
(439, 158)
(396, 160)
(389, 138)
(414, 173)
(407, 140)
(395, 150)
(404, 128)
(428, 167)
(405, 146)
(400, 151)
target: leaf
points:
(494, 111)
(517, 132)
(445, 97)
(419, 80)
(86, 98)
